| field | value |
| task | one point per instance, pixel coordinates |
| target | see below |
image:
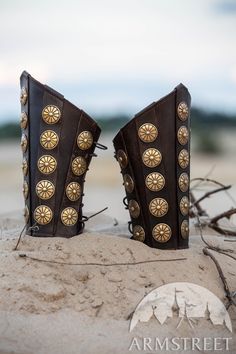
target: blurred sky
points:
(113, 56)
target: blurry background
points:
(112, 58)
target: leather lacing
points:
(129, 227)
(33, 228)
(84, 218)
(99, 146)
(125, 202)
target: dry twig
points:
(230, 296)
(212, 223)
(215, 226)
(23, 255)
(19, 238)
(208, 194)
(201, 212)
(209, 180)
(221, 274)
(227, 214)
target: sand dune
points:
(52, 308)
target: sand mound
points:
(31, 286)
(74, 291)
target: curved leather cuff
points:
(58, 140)
(153, 153)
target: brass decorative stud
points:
(128, 183)
(161, 233)
(151, 157)
(184, 229)
(79, 166)
(183, 135)
(73, 191)
(26, 214)
(183, 111)
(23, 96)
(49, 139)
(183, 182)
(134, 208)
(148, 133)
(24, 167)
(43, 215)
(85, 140)
(23, 120)
(45, 189)
(184, 206)
(24, 143)
(138, 233)
(122, 158)
(47, 164)
(183, 158)
(155, 181)
(25, 189)
(158, 207)
(69, 216)
(51, 114)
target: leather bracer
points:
(58, 141)
(153, 153)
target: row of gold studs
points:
(49, 140)
(183, 158)
(47, 164)
(43, 215)
(23, 125)
(161, 232)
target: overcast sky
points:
(110, 56)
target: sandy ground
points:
(52, 308)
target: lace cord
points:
(86, 218)
(100, 146)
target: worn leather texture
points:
(71, 123)
(164, 117)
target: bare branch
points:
(221, 230)
(205, 250)
(208, 194)
(201, 212)
(222, 277)
(19, 238)
(214, 223)
(227, 214)
(214, 182)
(202, 179)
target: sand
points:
(48, 307)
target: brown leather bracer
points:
(153, 153)
(58, 142)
